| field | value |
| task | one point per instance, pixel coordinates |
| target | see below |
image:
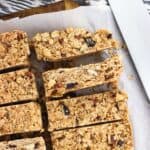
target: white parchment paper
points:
(92, 18)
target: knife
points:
(134, 23)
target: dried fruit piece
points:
(109, 36)
(120, 143)
(65, 109)
(90, 42)
(71, 85)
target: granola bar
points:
(14, 49)
(17, 86)
(24, 144)
(61, 81)
(85, 110)
(113, 136)
(20, 118)
(71, 42)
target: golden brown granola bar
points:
(60, 81)
(84, 110)
(14, 49)
(71, 42)
(17, 86)
(36, 143)
(20, 118)
(112, 136)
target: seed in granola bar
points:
(65, 109)
(90, 42)
(120, 143)
(109, 36)
(71, 85)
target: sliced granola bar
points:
(86, 110)
(60, 81)
(17, 86)
(24, 144)
(113, 136)
(14, 49)
(20, 118)
(71, 42)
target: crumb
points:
(131, 77)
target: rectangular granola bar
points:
(14, 49)
(36, 143)
(20, 118)
(86, 110)
(61, 81)
(71, 42)
(17, 86)
(113, 136)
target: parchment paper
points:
(92, 18)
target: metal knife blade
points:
(134, 23)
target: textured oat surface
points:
(60, 81)
(71, 42)
(69, 112)
(24, 144)
(17, 86)
(14, 49)
(86, 110)
(20, 118)
(113, 136)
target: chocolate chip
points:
(65, 109)
(109, 36)
(37, 145)
(120, 143)
(71, 85)
(90, 42)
